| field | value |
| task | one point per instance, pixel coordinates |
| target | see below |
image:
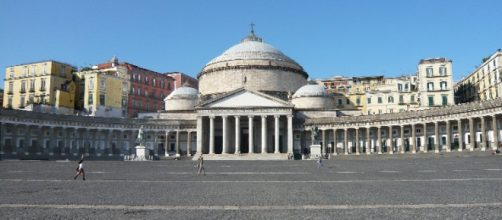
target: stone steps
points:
(270, 156)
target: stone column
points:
(379, 140)
(52, 139)
(424, 148)
(189, 143)
(483, 134)
(448, 136)
(65, 139)
(345, 141)
(290, 134)
(413, 139)
(263, 134)
(177, 145)
(237, 135)
(250, 134)
(460, 136)
(166, 147)
(109, 143)
(436, 137)
(199, 135)
(224, 134)
(368, 140)
(276, 133)
(334, 142)
(391, 145)
(472, 134)
(495, 143)
(357, 141)
(211, 134)
(324, 144)
(402, 139)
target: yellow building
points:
(40, 86)
(104, 92)
(484, 83)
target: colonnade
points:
(438, 136)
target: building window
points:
(91, 83)
(42, 84)
(63, 71)
(90, 99)
(45, 68)
(168, 86)
(380, 100)
(399, 87)
(412, 98)
(12, 73)
(102, 84)
(339, 102)
(23, 86)
(146, 80)
(390, 99)
(444, 100)
(26, 71)
(154, 82)
(21, 102)
(139, 91)
(33, 71)
(347, 101)
(430, 86)
(11, 87)
(369, 100)
(391, 110)
(429, 71)
(32, 85)
(406, 87)
(401, 99)
(431, 100)
(146, 93)
(443, 85)
(102, 99)
(442, 71)
(358, 101)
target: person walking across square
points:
(80, 169)
(201, 166)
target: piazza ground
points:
(423, 186)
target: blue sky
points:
(350, 38)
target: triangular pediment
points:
(246, 99)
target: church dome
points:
(183, 92)
(312, 96)
(253, 48)
(183, 98)
(251, 64)
(311, 90)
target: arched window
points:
(443, 85)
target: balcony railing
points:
(22, 91)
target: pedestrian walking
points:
(201, 166)
(319, 162)
(80, 169)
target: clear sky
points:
(350, 38)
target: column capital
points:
(211, 116)
(289, 116)
(224, 116)
(251, 116)
(277, 116)
(237, 116)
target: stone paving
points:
(460, 186)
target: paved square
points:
(426, 187)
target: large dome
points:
(250, 49)
(251, 64)
(183, 98)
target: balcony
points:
(32, 90)
(42, 89)
(22, 91)
(10, 92)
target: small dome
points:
(183, 93)
(311, 90)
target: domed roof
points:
(183, 92)
(310, 90)
(253, 48)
